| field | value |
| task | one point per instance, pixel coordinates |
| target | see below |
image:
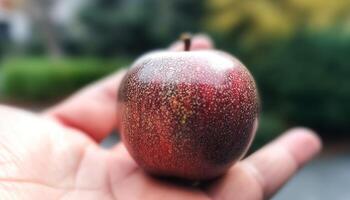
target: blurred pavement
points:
(326, 178)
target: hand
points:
(55, 155)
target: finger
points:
(93, 109)
(265, 171)
(199, 42)
(277, 162)
(136, 184)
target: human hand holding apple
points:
(56, 155)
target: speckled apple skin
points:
(189, 115)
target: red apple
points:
(189, 114)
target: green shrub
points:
(270, 127)
(305, 81)
(41, 79)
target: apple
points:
(188, 114)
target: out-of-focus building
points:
(14, 24)
(16, 19)
(64, 11)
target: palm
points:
(54, 162)
(56, 155)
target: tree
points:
(134, 26)
(255, 20)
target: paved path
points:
(326, 178)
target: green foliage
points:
(270, 126)
(305, 80)
(254, 21)
(133, 27)
(41, 79)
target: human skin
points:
(55, 155)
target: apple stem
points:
(186, 38)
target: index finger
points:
(94, 109)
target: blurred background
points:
(297, 50)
